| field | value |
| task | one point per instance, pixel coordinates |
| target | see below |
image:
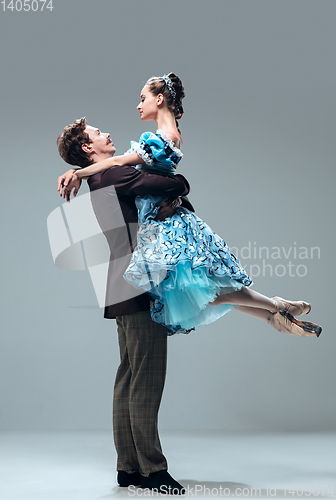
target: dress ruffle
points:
(158, 152)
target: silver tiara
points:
(170, 85)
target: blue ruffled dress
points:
(179, 261)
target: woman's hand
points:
(73, 184)
(64, 180)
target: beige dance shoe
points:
(293, 307)
(283, 321)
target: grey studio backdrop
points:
(258, 142)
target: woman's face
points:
(148, 105)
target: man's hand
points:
(64, 180)
(73, 184)
(169, 206)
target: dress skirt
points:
(184, 266)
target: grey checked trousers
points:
(137, 393)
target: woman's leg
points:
(263, 314)
(251, 298)
(246, 297)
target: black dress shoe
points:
(162, 482)
(125, 479)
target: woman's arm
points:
(64, 180)
(72, 178)
(118, 161)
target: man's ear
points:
(87, 148)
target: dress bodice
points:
(160, 156)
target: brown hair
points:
(70, 141)
(157, 86)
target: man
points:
(143, 343)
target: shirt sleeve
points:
(129, 181)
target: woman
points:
(190, 273)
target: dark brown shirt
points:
(116, 212)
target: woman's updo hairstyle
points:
(173, 93)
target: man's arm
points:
(129, 181)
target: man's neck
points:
(96, 158)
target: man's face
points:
(101, 143)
